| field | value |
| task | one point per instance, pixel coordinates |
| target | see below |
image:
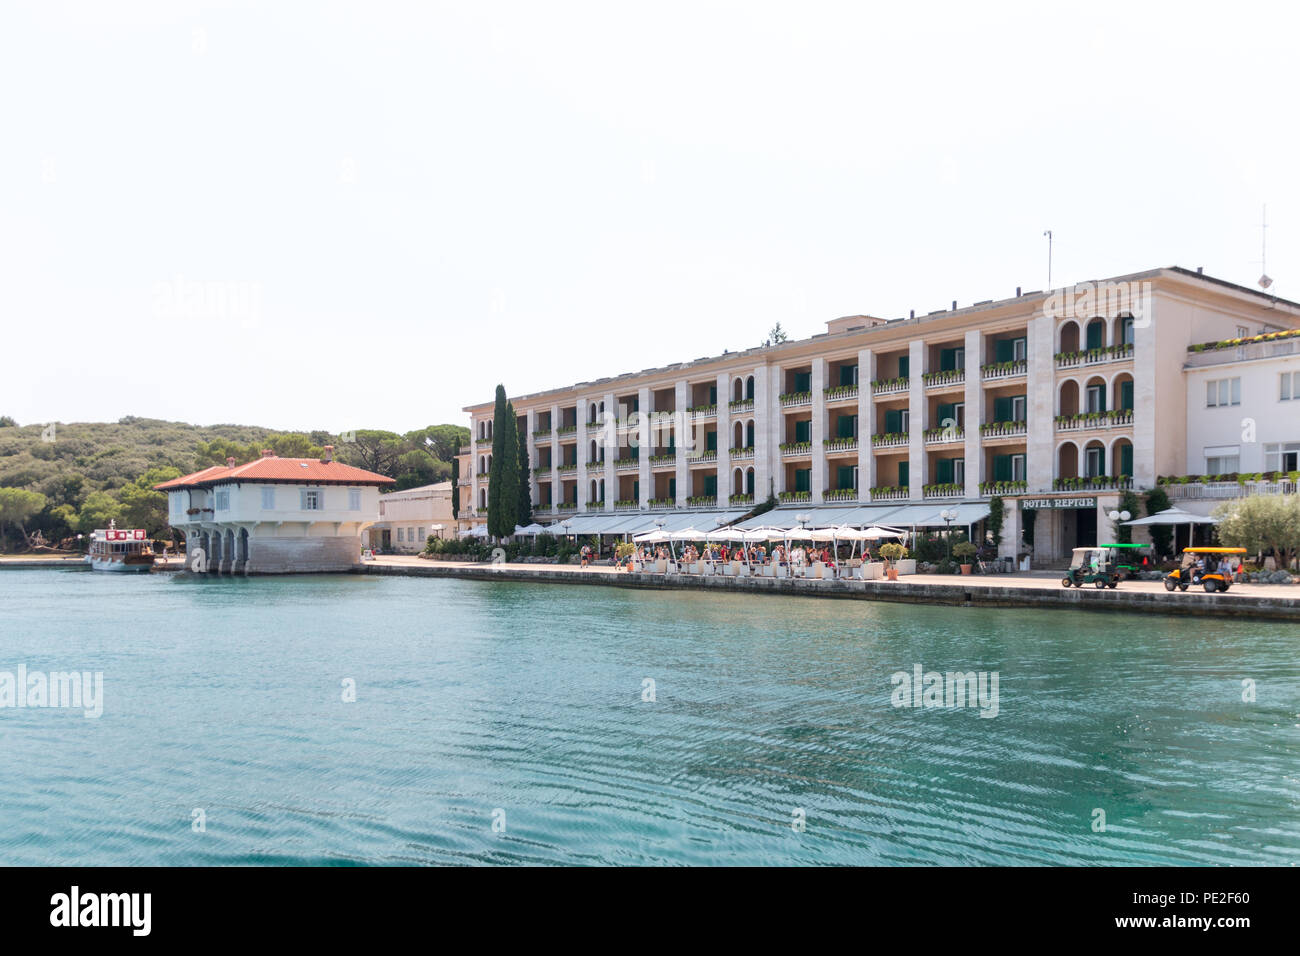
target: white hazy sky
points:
(403, 204)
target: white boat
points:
(117, 549)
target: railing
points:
(566, 469)
(624, 504)
(840, 393)
(741, 405)
(890, 440)
(1187, 487)
(938, 436)
(1110, 353)
(702, 458)
(944, 490)
(598, 505)
(789, 497)
(567, 506)
(1093, 483)
(702, 501)
(625, 464)
(998, 370)
(1003, 487)
(703, 411)
(796, 449)
(566, 430)
(548, 506)
(889, 386)
(840, 494)
(1112, 419)
(1268, 345)
(660, 504)
(542, 433)
(668, 459)
(593, 426)
(946, 377)
(742, 454)
(889, 492)
(740, 499)
(795, 399)
(1004, 429)
(483, 475)
(833, 445)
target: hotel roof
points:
(873, 327)
(271, 469)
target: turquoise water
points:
(473, 697)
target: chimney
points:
(954, 305)
(230, 462)
(329, 453)
(912, 314)
(1017, 292)
(1200, 270)
(267, 453)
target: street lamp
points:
(949, 515)
(803, 521)
(1118, 516)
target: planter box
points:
(906, 566)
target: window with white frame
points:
(268, 497)
(221, 500)
(1222, 460)
(400, 532)
(1221, 392)
(419, 535)
(1017, 408)
(1096, 398)
(1094, 462)
(1019, 349)
(959, 471)
(354, 499)
(1282, 456)
(1018, 470)
(313, 499)
(1289, 389)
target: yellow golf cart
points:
(1207, 567)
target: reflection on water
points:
(227, 696)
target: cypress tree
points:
(500, 431)
(509, 501)
(525, 478)
(455, 488)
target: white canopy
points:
(657, 536)
(875, 534)
(478, 531)
(1173, 516)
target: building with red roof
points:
(274, 515)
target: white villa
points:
(408, 517)
(275, 515)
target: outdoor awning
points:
(641, 522)
(1173, 516)
(882, 515)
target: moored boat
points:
(120, 549)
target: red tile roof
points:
(300, 470)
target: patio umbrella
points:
(1174, 517)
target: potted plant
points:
(892, 551)
(964, 550)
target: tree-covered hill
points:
(62, 479)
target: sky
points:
(366, 215)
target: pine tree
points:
(525, 478)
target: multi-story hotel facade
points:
(1056, 402)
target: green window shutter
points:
(803, 479)
(711, 441)
(1002, 409)
(1094, 335)
(893, 420)
(904, 366)
(1126, 395)
(713, 394)
(803, 431)
(1004, 350)
(846, 374)
(844, 476)
(636, 490)
(1001, 467)
(710, 484)
(904, 470)
(946, 410)
(947, 360)
(672, 488)
(1126, 459)
(802, 381)
(943, 471)
(844, 427)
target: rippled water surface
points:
(476, 697)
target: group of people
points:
(757, 555)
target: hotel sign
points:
(1057, 503)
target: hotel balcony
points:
(547, 508)
(947, 490)
(1094, 483)
(702, 501)
(1090, 357)
(702, 458)
(742, 454)
(998, 371)
(482, 476)
(567, 506)
(890, 493)
(839, 446)
(567, 469)
(989, 488)
(702, 412)
(740, 500)
(542, 433)
(1093, 421)
(893, 440)
(794, 497)
(994, 430)
(944, 436)
(627, 464)
(840, 494)
(567, 433)
(1193, 488)
(840, 394)
(664, 461)
(797, 449)
(890, 386)
(740, 406)
(796, 399)
(662, 504)
(937, 381)
(626, 504)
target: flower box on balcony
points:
(747, 452)
(840, 444)
(702, 500)
(627, 462)
(945, 489)
(840, 494)
(889, 384)
(796, 448)
(994, 429)
(567, 506)
(564, 469)
(1003, 487)
(1250, 340)
(567, 430)
(1106, 353)
(483, 475)
(890, 491)
(1003, 369)
(944, 434)
(1093, 483)
(946, 377)
(740, 499)
(890, 438)
(839, 392)
(663, 459)
(703, 457)
(789, 496)
(625, 503)
(795, 398)
(1114, 416)
(703, 409)
(661, 502)
(542, 433)
(742, 405)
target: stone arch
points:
(1067, 397)
(1067, 336)
(1115, 455)
(749, 481)
(1097, 323)
(1067, 460)
(1095, 445)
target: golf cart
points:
(1095, 566)
(1129, 559)
(1203, 566)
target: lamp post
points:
(949, 515)
(1118, 516)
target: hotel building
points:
(1056, 402)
